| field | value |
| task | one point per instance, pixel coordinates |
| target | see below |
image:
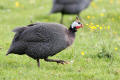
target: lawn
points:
(95, 54)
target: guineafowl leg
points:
(38, 62)
(57, 61)
(61, 21)
(78, 15)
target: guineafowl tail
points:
(19, 29)
(8, 52)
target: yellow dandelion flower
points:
(97, 25)
(93, 28)
(93, 5)
(108, 27)
(111, 1)
(100, 28)
(87, 24)
(90, 26)
(82, 53)
(88, 17)
(100, 0)
(119, 1)
(102, 14)
(17, 4)
(115, 33)
(45, 19)
(91, 23)
(93, 16)
(116, 49)
(113, 19)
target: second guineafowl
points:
(69, 7)
(41, 40)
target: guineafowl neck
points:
(71, 33)
(71, 37)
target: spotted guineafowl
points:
(69, 7)
(41, 40)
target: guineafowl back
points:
(69, 6)
(40, 40)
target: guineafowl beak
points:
(81, 26)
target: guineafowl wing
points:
(35, 33)
(84, 4)
(56, 7)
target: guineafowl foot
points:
(62, 62)
(57, 61)
(38, 62)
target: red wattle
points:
(81, 26)
(78, 27)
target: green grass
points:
(101, 60)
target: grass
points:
(100, 58)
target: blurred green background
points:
(95, 54)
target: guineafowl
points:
(41, 40)
(69, 7)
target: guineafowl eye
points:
(79, 23)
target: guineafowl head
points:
(75, 25)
